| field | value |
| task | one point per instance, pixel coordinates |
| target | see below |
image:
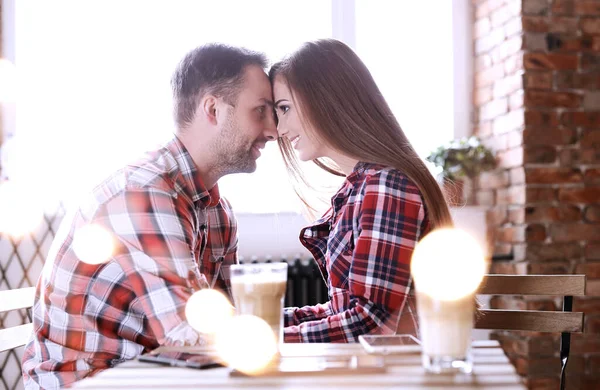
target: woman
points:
(328, 106)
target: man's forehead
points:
(256, 83)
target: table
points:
(492, 370)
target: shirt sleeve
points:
(387, 227)
(297, 315)
(144, 289)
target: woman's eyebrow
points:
(279, 101)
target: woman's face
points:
(291, 124)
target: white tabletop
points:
(491, 370)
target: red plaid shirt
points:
(172, 236)
(363, 246)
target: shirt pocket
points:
(339, 255)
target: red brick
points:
(576, 365)
(582, 343)
(590, 139)
(535, 233)
(573, 232)
(517, 176)
(539, 154)
(590, 25)
(581, 119)
(542, 383)
(591, 270)
(589, 61)
(548, 136)
(576, 80)
(563, 7)
(509, 303)
(564, 44)
(553, 251)
(592, 288)
(545, 175)
(587, 7)
(592, 252)
(511, 195)
(541, 118)
(587, 195)
(482, 27)
(594, 360)
(544, 24)
(535, 7)
(512, 120)
(539, 98)
(592, 326)
(482, 95)
(549, 61)
(583, 156)
(516, 216)
(586, 305)
(563, 213)
(494, 38)
(537, 367)
(540, 194)
(548, 268)
(537, 80)
(592, 215)
(592, 175)
(489, 76)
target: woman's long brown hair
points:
(341, 102)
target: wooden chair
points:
(16, 336)
(564, 322)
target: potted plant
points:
(461, 159)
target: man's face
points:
(249, 126)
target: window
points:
(94, 79)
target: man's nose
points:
(271, 128)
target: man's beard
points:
(233, 150)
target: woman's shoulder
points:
(381, 177)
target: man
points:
(172, 233)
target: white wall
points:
(275, 235)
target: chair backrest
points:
(533, 320)
(20, 298)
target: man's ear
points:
(208, 107)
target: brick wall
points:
(537, 104)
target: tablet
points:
(387, 343)
(181, 359)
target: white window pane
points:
(411, 63)
(95, 75)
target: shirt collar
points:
(193, 185)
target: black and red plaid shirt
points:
(172, 236)
(363, 246)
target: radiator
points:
(305, 285)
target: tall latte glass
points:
(447, 266)
(259, 290)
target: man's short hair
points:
(213, 68)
